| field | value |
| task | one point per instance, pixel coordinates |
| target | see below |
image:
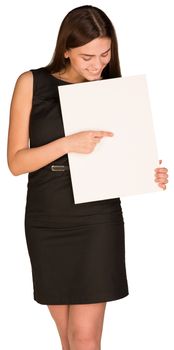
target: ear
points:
(66, 55)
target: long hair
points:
(79, 27)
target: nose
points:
(96, 64)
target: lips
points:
(94, 72)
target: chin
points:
(97, 77)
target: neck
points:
(70, 75)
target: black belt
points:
(59, 167)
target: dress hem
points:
(100, 299)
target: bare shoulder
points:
(28, 75)
(21, 101)
(23, 88)
(25, 79)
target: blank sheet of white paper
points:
(120, 165)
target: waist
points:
(53, 166)
(48, 173)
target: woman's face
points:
(88, 61)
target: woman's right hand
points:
(84, 141)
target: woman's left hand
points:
(161, 176)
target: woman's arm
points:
(22, 159)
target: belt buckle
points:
(57, 168)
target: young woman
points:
(77, 252)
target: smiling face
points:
(88, 61)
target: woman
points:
(77, 252)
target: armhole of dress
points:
(33, 71)
(34, 84)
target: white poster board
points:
(120, 165)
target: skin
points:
(79, 326)
(87, 62)
(161, 176)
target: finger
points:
(161, 182)
(162, 170)
(161, 174)
(103, 133)
(161, 179)
(162, 186)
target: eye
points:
(86, 59)
(105, 55)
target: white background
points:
(144, 319)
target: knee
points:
(79, 339)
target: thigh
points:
(60, 315)
(86, 320)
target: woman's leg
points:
(60, 314)
(85, 326)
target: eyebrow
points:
(85, 54)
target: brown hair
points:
(80, 26)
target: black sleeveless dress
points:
(77, 251)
